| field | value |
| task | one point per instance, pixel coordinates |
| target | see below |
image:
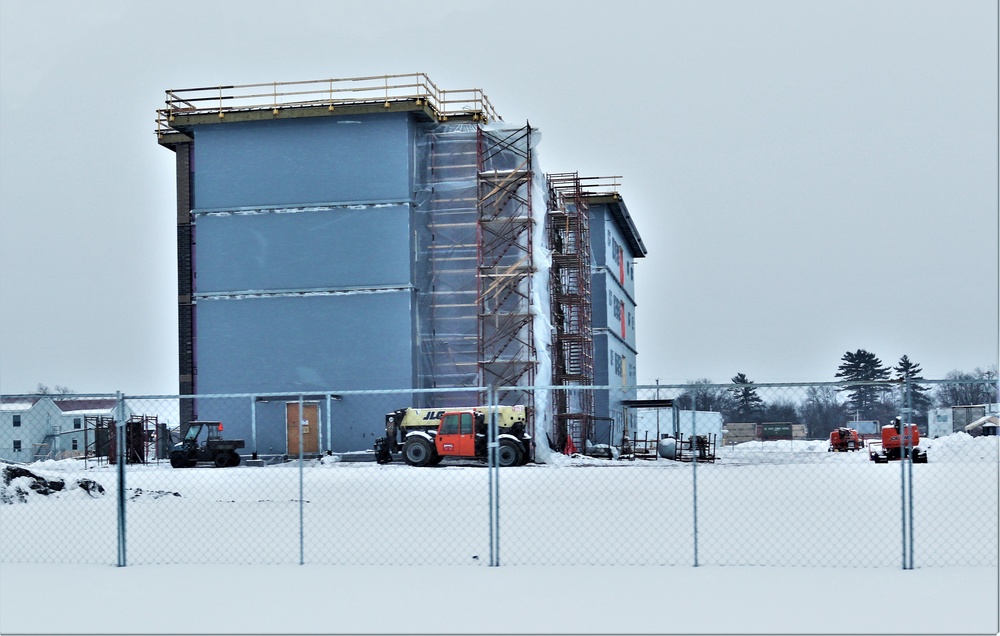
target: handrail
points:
(597, 186)
(568, 183)
(323, 92)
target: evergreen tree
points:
(748, 404)
(863, 366)
(910, 371)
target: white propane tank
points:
(667, 448)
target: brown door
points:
(310, 427)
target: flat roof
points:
(411, 92)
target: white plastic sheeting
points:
(541, 310)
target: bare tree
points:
(823, 411)
(706, 397)
(978, 387)
(43, 389)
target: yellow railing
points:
(326, 92)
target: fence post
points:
(694, 471)
(253, 425)
(120, 455)
(302, 552)
(494, 478)
(329, 424)
(904, 452)
(909, 468)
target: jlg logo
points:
(434, 415)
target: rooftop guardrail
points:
(331, 93)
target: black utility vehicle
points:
(213, 448)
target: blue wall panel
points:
(355, 421)
(302, 161)
(305, 343)
(610, 249)
(310, 344)
(326, 248)
(599, 218)
(599, 300)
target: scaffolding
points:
(449, 300)
(145, 438)
(505, 261)
(477, 325)
(568, 232)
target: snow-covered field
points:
(816, 525)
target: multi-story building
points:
(616, 246)
(371, 234)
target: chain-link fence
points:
(822, 474)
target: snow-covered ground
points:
(582, 544)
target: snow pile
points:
(21, 485)
(784, 446)
(60, 465)
(578, 459)
(962, 447)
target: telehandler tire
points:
(417, 451)
(510, 453)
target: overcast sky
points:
(809, 177)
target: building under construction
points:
(381, 233)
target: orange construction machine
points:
(426, 436)
(898, 441)
(845, 439)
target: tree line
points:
(877, 395)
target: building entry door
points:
(310, 427)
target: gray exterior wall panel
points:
(305, 343)
(355, 421)
(613, 321)
(325, 248)
(311, 344)
(302, 161)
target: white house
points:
(43, 427)
(24, 425)
(71, 439)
